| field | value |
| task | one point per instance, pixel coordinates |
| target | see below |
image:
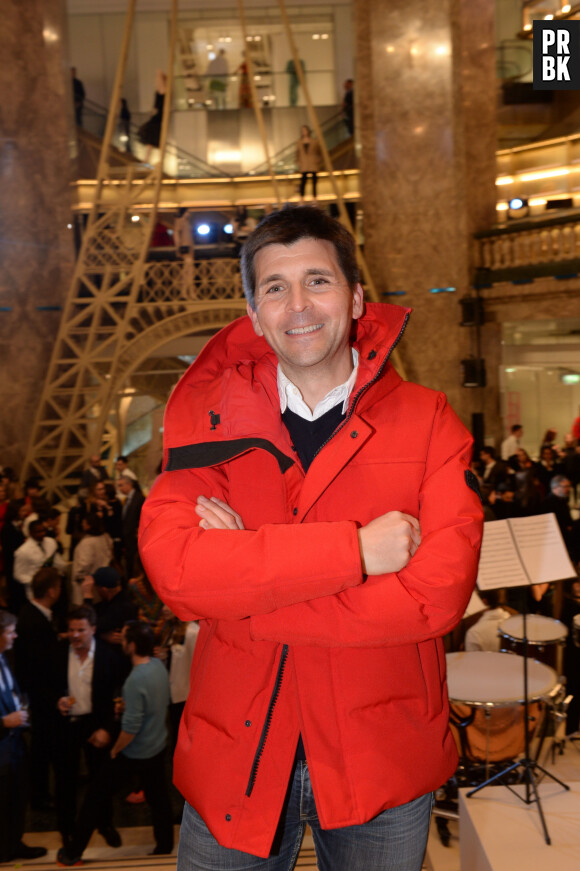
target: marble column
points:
(426, 92)
(36, 247)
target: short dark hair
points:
(83, 612)
(288, 226)
(516, 427)
(6, 619)
(44, 580)
(490, 450)
(121, 456)
(141, 635)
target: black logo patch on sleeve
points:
(472, 482)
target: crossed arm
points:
(386, 544)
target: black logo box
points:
(549, 42)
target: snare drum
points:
(546, 638)
(486, 692)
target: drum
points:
(486, 693)
(546, 638)
(576, 630)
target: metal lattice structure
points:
(72, 418)
(120, 307)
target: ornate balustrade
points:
(531, 250)
(199, 281)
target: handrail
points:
(205, 170)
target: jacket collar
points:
(230, 391)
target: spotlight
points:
(203, 229)
(229, 229)
(517, 207)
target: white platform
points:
(498, 832)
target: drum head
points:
(539, 629)
(482, 678)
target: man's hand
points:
(216, 514)
(388, 542)
(15, 719)
(64, 705)
(100, 738)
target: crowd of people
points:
(94, 669)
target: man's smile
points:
(301, 331)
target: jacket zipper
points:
(365, 387)
(284, 654)
(268, 720)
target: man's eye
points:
(319, 281)
(274, 289)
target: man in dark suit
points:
(13, 769)
(35, 653)
(87, 680)
(495, 472)
(132, 506)
(558, 503)
(94, 472)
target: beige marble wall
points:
(36, 248)
(425, 85)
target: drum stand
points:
(528, 766)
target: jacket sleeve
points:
(429, 596)
(234, 574)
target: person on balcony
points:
(308, 158)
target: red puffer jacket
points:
(294, 639)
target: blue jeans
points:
(393, 841)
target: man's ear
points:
(254, 319)
(358, 301)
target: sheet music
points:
(542, 548)
(522, 551)
(499, 563)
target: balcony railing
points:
(532, 250)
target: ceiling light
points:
(548, 173)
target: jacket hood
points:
(213, 400)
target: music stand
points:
(528, 765)
(534, 553)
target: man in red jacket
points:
(318, 516)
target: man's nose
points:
(298, 298)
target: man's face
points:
(7, 637)
(80, 634)
(563, 490)
(120, 465)
(96, 460)
(38, 532)
(125, 486)
(484, 457)
(126, 646)
(304, 308)
(24, 511)
(100, 491)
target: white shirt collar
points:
(291, 397)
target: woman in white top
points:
(94, 550)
